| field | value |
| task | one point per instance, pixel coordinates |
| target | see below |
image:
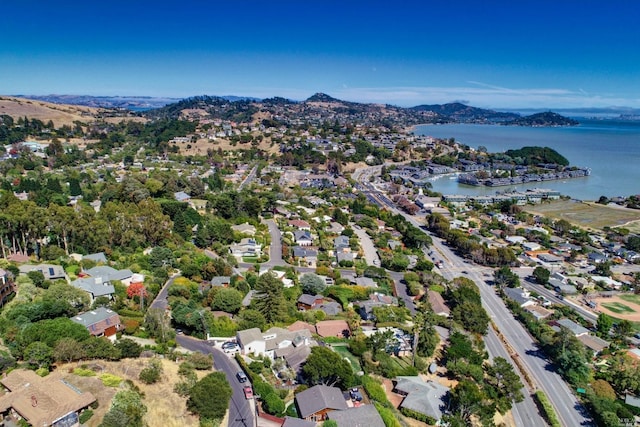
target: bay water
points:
(610, 148)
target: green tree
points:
(209, 397)
(505, 277)
(269, 299)
(128, 348)
(324, 366)
(604, 324)
(38, 354)
(312, 284)
(228, 300)
(541, 275)
(505, 384)
(68, 350)
(152, 372)
(251, 319)
(472, 316)
(127, 410)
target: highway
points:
(569, 410)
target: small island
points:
(546, 119)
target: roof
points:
(247, 336)
(365, 281)
(96, 286)
(299, 325)
(518, 295)
(594, 343)
(41, 401)
(333, 328)
(50, 271)
(437, 303)
(361, 416)
(573, 326)
(220, 280)
(309, 299)
(331, 308)
(296, 356)
(297, 422)
(424, 397)
(109, 273)
(97, 257)
(319, 397)
(98, 320)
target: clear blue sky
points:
(489, 53)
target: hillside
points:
(546, 119)
(45, 111)
(466, 113)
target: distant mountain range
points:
(319, 106)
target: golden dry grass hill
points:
(60, 114)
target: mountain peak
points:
(321, 97)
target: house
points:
(109, 274)
(549, 258)
(95, 287)
(248, 247)
(309, 302)
(437, 303)
(100, 322)
(50, 271)
(593, 343)
(333, 328)
(295, 356)
(425, 397)
(519, 295)
(538, 312)
(267, 342)
(300, 224)
(244, 228)
(315, 402)
(530, 246)
(375, 300)
(43, 401)
(181, 196)
(575, 329)
(303, 238)
(98, 257)
(221, 281)
(380, 224)
(596, 258)
(345, 257)
(359, 416)
(307, 257)
(334, 228)
(341, 244)
(331, 308)
(367, 282)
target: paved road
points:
(249, 178)
(241, 411)
(401, 291)
(161, 299)
(369, 249)
(275, 249)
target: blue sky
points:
(499, 54)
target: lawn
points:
(585, 214)
(618, 307)
(632, 298)
(343, 351)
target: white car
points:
(230, 347)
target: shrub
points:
(200, 361)
(418, 416)
(43, 372)
(110, 380)
(85, 416)
(388, 418)
(272, 404)
(130, 326)
(375, 391)
(549, 412)
(83, 372)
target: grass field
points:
(618, 307)
(586, 214)
(632, 298)
(343, 351)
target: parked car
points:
(248, 392)
(230, 347)
(355, 394)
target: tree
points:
(209, 397)
(505, 277)
(472, 316)
(312, 284)
(623, 329)
(269, 298)
(67, 350)
(228, 300)
(38, 354)
(37, 277)
(324, 366)
(466, 399)
(152, 372)
(505, 383)
(127, 410)
(604, 324)
(251, 319)
(136, 290)
(128, 348)
(541, 275)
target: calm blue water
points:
(610, 148)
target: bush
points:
(418, 416)
(110, 380)
(200, 361)
(292, 411)
(85, 416)
(375, 391)
(272, 404)
(548, 411)
(388, 418)
(43, 372)
(83, 372)
(130, 326)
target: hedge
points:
(387, 415)
(549, 412)
(418, 416)
(375, 391)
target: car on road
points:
(230, 347)
(248, 392)
(242, 377)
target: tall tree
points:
(269, 299)
(325, 366)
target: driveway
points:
(161, 299)
(275, 249)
